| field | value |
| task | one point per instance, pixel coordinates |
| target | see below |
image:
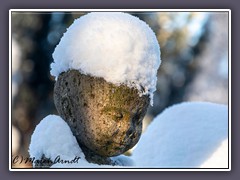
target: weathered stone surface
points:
(105, 118)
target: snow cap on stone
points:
(116, 46)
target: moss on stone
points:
(105, 118)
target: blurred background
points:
(194, 53)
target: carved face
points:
(105, 118)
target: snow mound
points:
(185, 136)
(54, 139)
(219, 158)
(116, 46)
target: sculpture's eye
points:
(115, 113)
(118, 115)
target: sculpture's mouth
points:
(114, 145)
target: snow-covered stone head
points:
(116, 46)
(105, 67)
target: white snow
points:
(116, 46)
(53, 138)
(219, 158)
(186, 135)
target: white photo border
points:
(123, 168)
